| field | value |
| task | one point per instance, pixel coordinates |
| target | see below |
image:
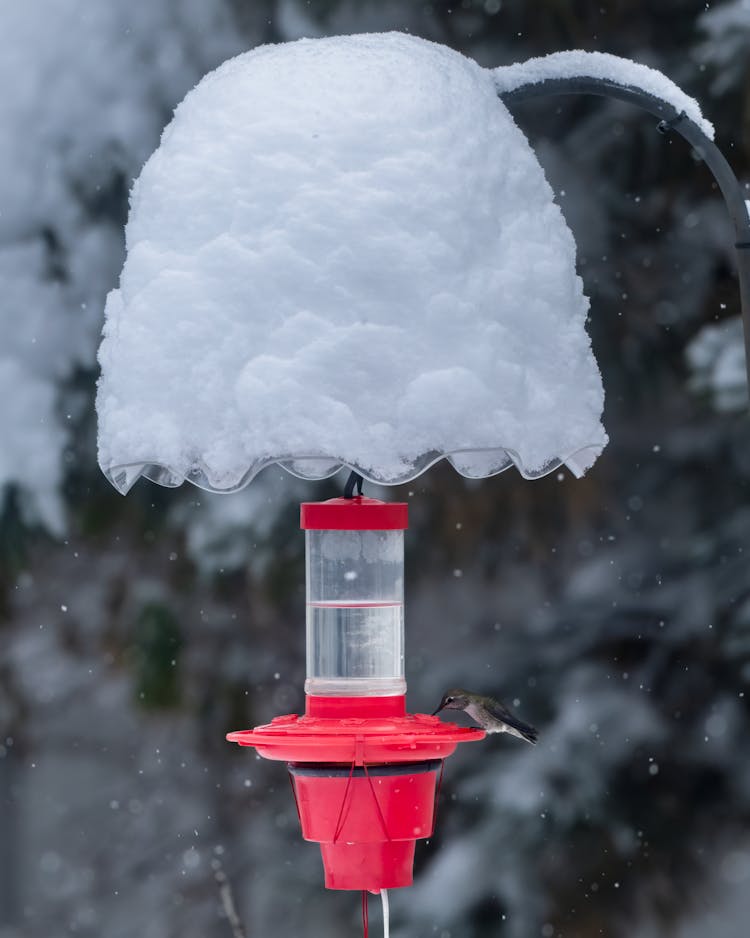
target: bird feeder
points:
(364, 772)
(252, 327)
(345, 253)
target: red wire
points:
(340, 821)
(296, 802)
(377, 803)
(365, 925)
(437, 796)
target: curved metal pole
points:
(670, 119)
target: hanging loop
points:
(355, 480)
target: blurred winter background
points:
(613, 611)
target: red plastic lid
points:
(354, 514)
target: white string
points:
(384, 900)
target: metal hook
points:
(355, 480)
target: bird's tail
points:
(522, 730)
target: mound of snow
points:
(345, 252)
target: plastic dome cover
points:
(344, 251)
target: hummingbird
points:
(489, 713)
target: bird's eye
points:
(449, 699)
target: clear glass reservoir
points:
(355, 612)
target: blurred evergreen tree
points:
(156, 657)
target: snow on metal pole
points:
(522, 83)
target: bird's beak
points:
(437, 711)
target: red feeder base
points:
(366, 820)
(368, 866)
(365, 776)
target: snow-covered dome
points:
(344, 251)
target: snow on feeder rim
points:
(365, 773)
(345, 253)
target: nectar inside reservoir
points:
(355, 598)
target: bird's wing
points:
(498, 710)
(501, 713)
